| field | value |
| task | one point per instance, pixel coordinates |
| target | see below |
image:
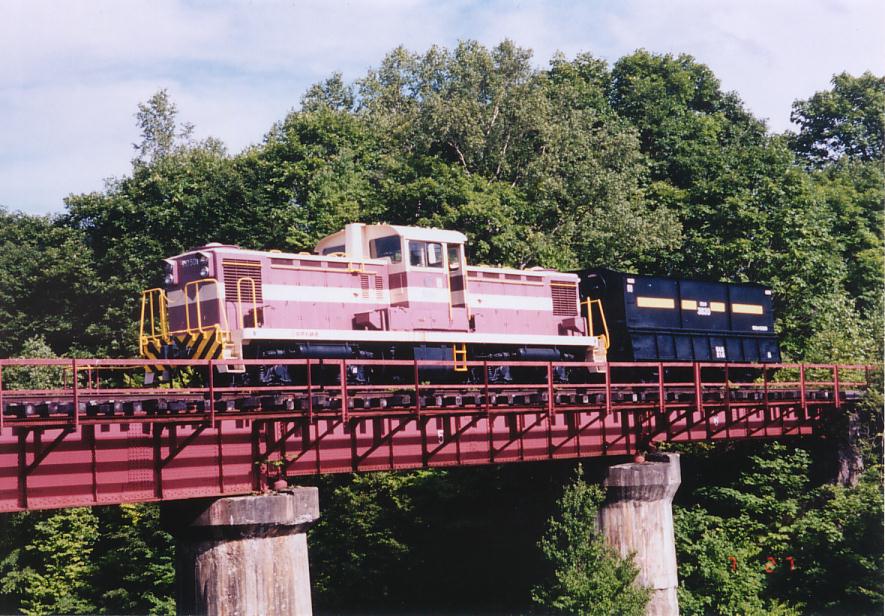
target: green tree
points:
(47, 565)
(160, 131)
(134, 569)
(33, 377)
(748, 211)
(719, 570)
(315, 172)
(772, 508)
(840, 537)
(46, 280)
(359, 548)
(332, 94)
(846, 121)
(840, 138)
(588, 576)
(546, 141)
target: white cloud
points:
(770, 52)
(72, 73)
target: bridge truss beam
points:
(97, 439)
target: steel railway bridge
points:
(97, 437)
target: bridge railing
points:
(74, 391)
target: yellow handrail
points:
(222, 317)
(251, 282)
(605, 336)
(459, 357)
(154, 310)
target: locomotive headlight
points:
(204, 266)
(169, 276)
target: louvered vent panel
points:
(364, 286)
(565, 300)
(379, 287)
(234, 271)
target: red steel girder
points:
(102, 452)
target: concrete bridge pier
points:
(243, 555)
(637, 518)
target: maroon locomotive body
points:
(370, 291)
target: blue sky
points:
(72, 73)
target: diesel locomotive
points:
(407, 293)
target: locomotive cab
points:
(425, 269)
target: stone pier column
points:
(637, 518)
(243, 555)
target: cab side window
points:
(434, 254)
(454, 256)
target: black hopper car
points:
(657, 319)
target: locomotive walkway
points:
(95, 439)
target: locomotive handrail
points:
(147, 305)
(187, 311)
(222, 328)
(589, 304)
(240, 319)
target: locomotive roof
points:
(428, 234)
(273, 254)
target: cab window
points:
(331, 249)
(425, 254)
(434, 254)
(454, 256)
(389, 246)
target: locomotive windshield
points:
(389, 246)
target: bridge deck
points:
(94, 438)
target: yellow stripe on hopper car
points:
(746, 308)
(655, 302)
(691, 304)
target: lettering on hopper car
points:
(701, 307)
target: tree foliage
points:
(588, 576)
(50, 573)
(797, 544)
(160, 132)
(134, 562)
(360, 546)
(33, 377)
(847, 121)
(47, 279)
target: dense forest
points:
(645, 165)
